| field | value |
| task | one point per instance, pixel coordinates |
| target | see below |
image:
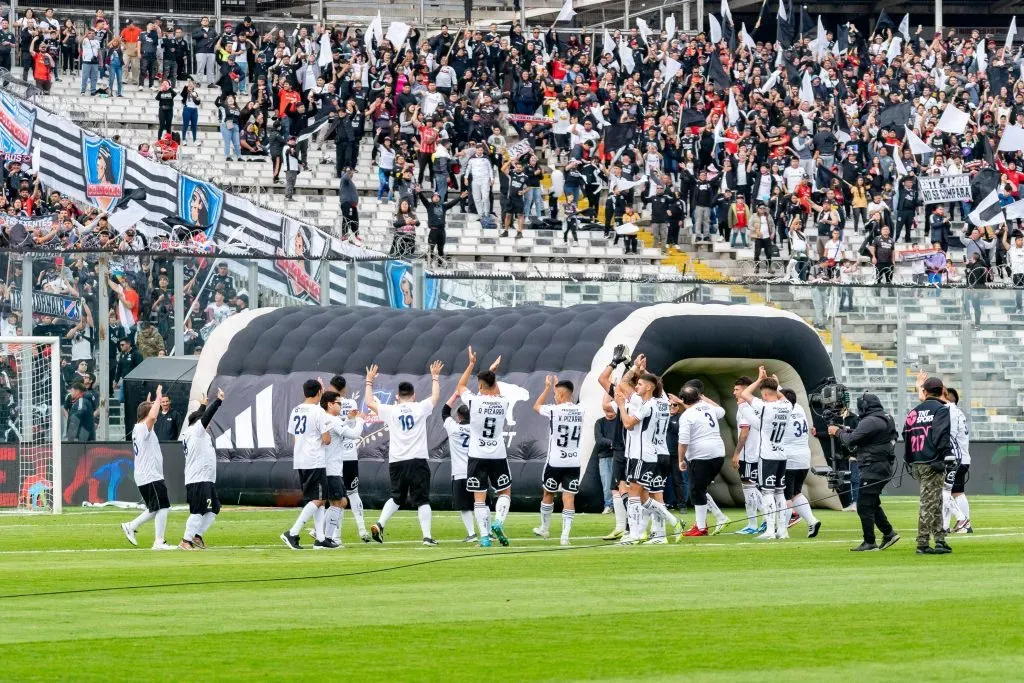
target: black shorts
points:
(154, 495)
(462, 500)
(313, 483)
(350, 474)
(410, 482)
(335, 487)
(645, 474)
(619, 473)
(515, 208)
(957, 478)
(772, 474)
(482, 472)
(748, 471)
(794, 482)
(702, 473)
(202, 498)
(566, 478)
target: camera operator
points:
(926, 437)
(873, 444)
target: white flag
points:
(917, 145)
(325, 50)
(715, 29)
(732, 110)
(745, 38)
(940, 78)
(901, 170)
(626, 57)
(771, 82)
(1011, 32)
(894, 49)
(782, 11)
(779, 59)
(608, 48)
(982, 55)
(821, 44)
(567, 12)
(1012, 140)
(672, 67)
(670, 27)
(806, 90)
(726, 14)
(374, 31)
(905, 27)
(644, 29)
(1015, 210)
(988, 212)
(598, 115)
(953, 120)
(398, 31)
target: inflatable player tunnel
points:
(261, 358)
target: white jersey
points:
(352, 433)
(748, 416)
(797, 441)
(773, 426)
(634, 435)
(655, 428)
(698, 431)
(565, 427)
(486, 425)
(149, 460)
(345, 434)
(959, 436)
(200, 455)
(307, 424)
(458, 447)
(407, 423)
(662, 444)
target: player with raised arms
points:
(488, 462)
(775, 413)
(406, 421)
(562, 470)
(352, 433)
(457, 429)
(798, 463)
(149, 474)
(200, 473)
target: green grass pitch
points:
(725, 608)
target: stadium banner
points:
(945, 188)
(401, 284)
(97, 171)
(53, 305)
(526, 118)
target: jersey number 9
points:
(489, 424)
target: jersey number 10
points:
(407, 422)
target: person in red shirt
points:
(42, 68)
(428, 142)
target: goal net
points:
(30, 424)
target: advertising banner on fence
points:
(945, 188)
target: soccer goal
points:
(30, 424)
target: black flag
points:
(843, 38)
(691, 117)
(806, 26)
(784, 33)
(998, 77)
(984, 183)
(883, 22)
(728, 33)
(617, 136)
(135, 194)
(895, 116)
(762, 15)
(716, 72)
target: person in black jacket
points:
(168, 422)
(872, 442)
(926, 436)
(436, 222)
(906, 206)
(662, 205)
(604, 440)
(165, 102)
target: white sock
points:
(783, 512)
(965, 507)
(759, 501)
(803, 508)
(714, 509)
(658, 508)
(567, 517)
(701, 514)
(645, 517)
(620, 511)
(483, 518)
(319, 521)
(424, 513)
(355, 503)
(304, 516)
(546, 510)
(657, 527)
(208, 520)
(633, 516)
(501, 507)
(768, 504)
(161, 525)
(140, 520)
(192, 525)
(390, 508)
(332, 523)
(750, 505)
(467, 521)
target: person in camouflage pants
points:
(929, 514)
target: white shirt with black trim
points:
(407, 424)
(698, 431)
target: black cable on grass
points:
(362, 572)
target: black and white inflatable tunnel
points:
(261, 357)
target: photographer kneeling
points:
(873, 443)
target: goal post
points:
(31, 420)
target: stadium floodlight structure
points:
(30, 424)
